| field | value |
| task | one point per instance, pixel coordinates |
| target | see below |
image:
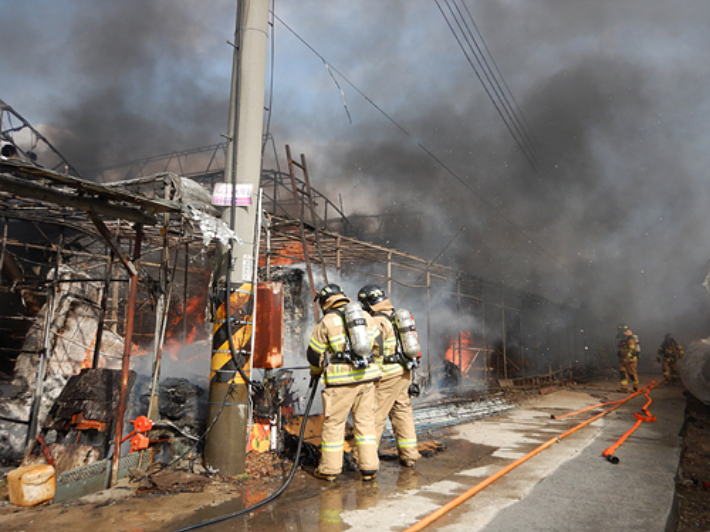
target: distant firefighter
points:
(628, 358)
(668, 355)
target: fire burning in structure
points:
(470, 359)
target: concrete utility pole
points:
(226, 444)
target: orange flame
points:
(191, 312)
(291, 254)
(459, 352)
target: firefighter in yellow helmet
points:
(393, 390)
(340, 349)
(628, 358)
(668, 355)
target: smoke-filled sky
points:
(614, 94)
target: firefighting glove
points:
(414, 390)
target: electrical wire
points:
(524, 130)
(277, 493)
(500, 74)
(267, 129)
(497, 105)
(453, 174)
(518, 121)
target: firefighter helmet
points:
(623, 330)
(371, 295)
(327, 291)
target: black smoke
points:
(613, 92)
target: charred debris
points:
(105, 335)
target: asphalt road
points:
(567, 487)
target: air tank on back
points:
(407, 332)
(357, 329)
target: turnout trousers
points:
(393, 402)
(338, 402)
(627, 370)
(670, 368)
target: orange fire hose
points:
(609, 451)
(487, 482)
(642, 390)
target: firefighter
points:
(336, 351)
(628, 358)
(668, 355)
(393, 390)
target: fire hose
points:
(609, 451)
(314, 386)
(487, 482)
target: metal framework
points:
(120, 236)
(206, 166)
(527, 347)
(514, 337)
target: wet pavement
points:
(568, 486)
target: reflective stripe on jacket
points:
(329, 338)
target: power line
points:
(497, 101)
(505, 84)
(517, 112)
(419, 144)
(520, 125)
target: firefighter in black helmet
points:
(668, 355)
(393, 390)
(349, 384)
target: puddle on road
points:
(309, 504)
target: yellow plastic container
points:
(31, 485)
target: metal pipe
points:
(128, 338)
(337, 254)
(522, 342)
(503, 334)
(44, 354)
(102, 313)
(161, 320)
(428, 324)
(184, 293)
(458, 327)
(389, 273)
(4, 245)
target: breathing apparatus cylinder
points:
(356, 326)
(408, 333)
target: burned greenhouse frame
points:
(93, 276)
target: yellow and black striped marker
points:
(223, 367)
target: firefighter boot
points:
(623, 389)
(323, 476)
(367, 475)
